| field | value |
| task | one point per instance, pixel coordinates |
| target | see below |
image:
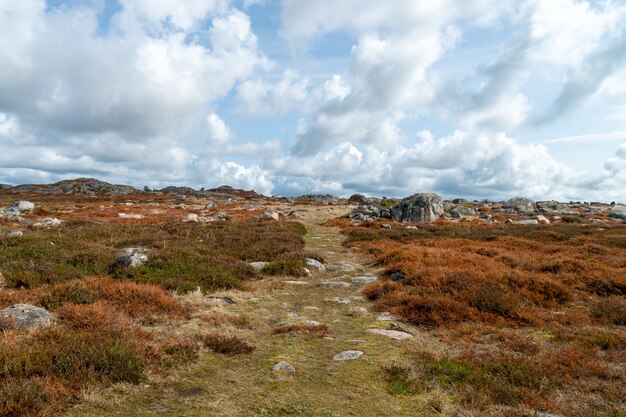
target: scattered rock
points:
(528, 222)
(393, 334)
(15, 233)
(48, 222)
(271, 215)
(129, 216)
(385, 226)
(315, 264)
(618, 212)
(358, 309)
(334, 284)
(23, 206)
(420, 207)
(348, 355)
(363, 280)
(283, 367)
(543, 219)
(24, 316)
(341, 267)
(131, 260)
(461, 212)
(296, 282)
(385, 316)
(396, 276)
(337, 300)
(257, 266)
(520, 204)
(192, 217)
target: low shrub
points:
(610, 309)
(312, 330)
(227, 344)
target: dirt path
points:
(245, 385)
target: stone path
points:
(337, 375)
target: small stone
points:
(396, 276)
(129, 216)
(257, 266)
(296, 282)
(543, 219)
(312, 323)
(393, 334)
(192, 217)
(385, 316)
(358, 309)
(271, 215)
(132, 260)
(337, 300)
(315, 264)
(363, 280)
(336, 284)
(283, 367)
(15, 233)
(347, 355)
(24, 316)
(342, 267)
(48, 222)
(385, 226)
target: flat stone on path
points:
(337, 300)
(347, 355)
(296, 282)
(284, 367)
(393, 334)
(363, 280)
(341, 267)
(334, 284)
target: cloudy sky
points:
(474, 98)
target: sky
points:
(465, 98)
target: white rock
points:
(393, 334)
(257, 266)
(129, 216)
(283, 367)
(132, 260)
(337, 284)
(337, 300)
(315, 264)
(15, 233)
(363, 280)
(385, 316)
(296, 282)
(192, 217)
(341, 267)
(543, 219)
(23, 206)
(347, 355)
(48, 222)
(271, 215)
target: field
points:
(533, 316)
(116, 324)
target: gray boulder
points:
(461, 211)
(23, 206)
(283, 367)
(357, 198)
(618, 212)
(24, 316)
(520, 204)
(131, 260)
(420, 207)
(550, 206)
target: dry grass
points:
(304, 329)
(486, 291)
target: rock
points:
(130, 251)
(357, 198)
(271, 215)
(129, 216)
(192, 217)
(366, 212)
(596, 221)
(459, 201)
(336, 284)
(283, 367)
(520, 204)
(509, 221)
(550, 206)
(23, 206)
(543, 219)
(257, 266)
(363, 280)
(618, 212)
(48, 222)
(358, 309)
(385, 316)
(315, 264)
(131, 260)
(337, 300)
(486, 216)
(296, 282)
(393, 334)
(24, 316)
(348, 355)
(385, 226)
(396, 276)
(346, 267)
(461, 211)
(420, 207)
(15, 233)
(528, 222)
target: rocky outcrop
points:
(460, 212)
(520, 204)
(618, 212)
(420, 207)
(84, 186)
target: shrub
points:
(318, 331)
(225, 344)
(241, 322)
(610, 309)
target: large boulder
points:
(420, 207)
(460, 212)
(24, 316)
(520, 204)
(618, 212)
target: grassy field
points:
(117, 325)
(534, 315)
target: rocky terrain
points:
(225, 302)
